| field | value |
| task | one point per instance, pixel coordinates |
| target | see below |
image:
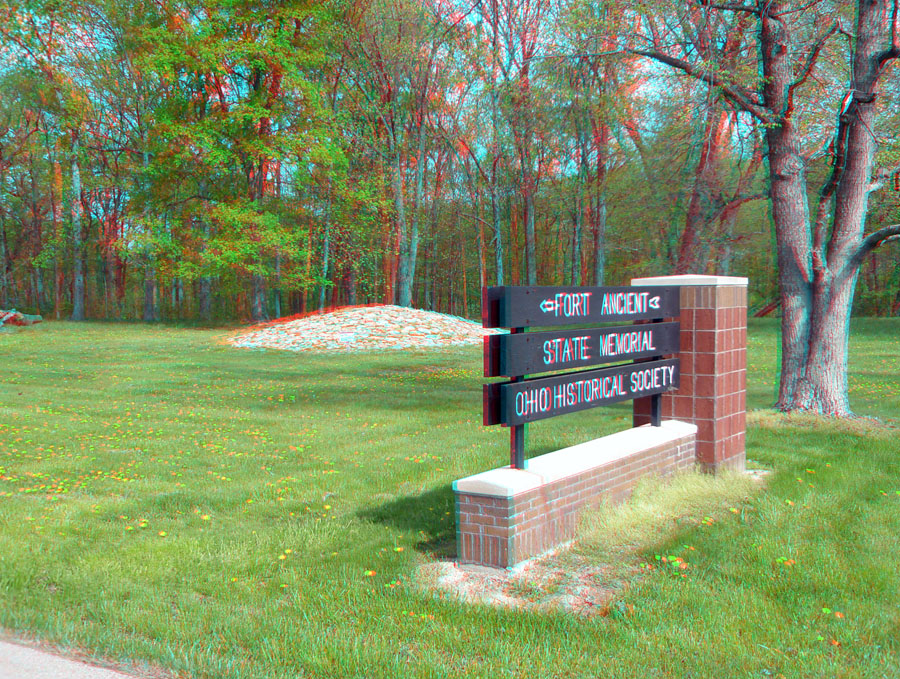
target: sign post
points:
(526, 399)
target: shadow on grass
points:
(429, 515)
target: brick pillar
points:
(713, 367)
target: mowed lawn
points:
(216, 512)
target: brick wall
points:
(506, 516)
(713, 355)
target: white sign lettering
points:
(568, 304)
(562, 350)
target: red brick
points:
(704, 342)
(482, 520)
(705, 318)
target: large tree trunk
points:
(818, 271)
(411, 251)
(790, 210)
(822, 387)
(837, 260)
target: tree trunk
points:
(516, 267)
(351, 285)
(150, 308)
(277, 290)
(495, 142)
(818, 271)
(77, 240)
(495, 227)
(307, 284)
(704, 193)
(530, 258)
(602, 135)
(205, 288)
(56, 199)
(205, 299)
(258, 305)
(404, 279)
(790, 210)
(326, 257)
(822, 386)
(599, 237)
(412, 250)
(4, 253)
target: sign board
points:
(520, 401)
(544, 397)
(539, 352)
(538, 306)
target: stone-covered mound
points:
(13, 317)
(363, 329)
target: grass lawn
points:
(230, 513)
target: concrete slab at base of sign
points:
(506, 516)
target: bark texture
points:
(818, 259)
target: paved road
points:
(22, 662)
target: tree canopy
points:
(223, 160)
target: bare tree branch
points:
(873, 240)
(732, 8)
(893, 51)
(740, 96)
(811, 60)
(736, 202)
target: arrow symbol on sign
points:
(654, 302)
(548, 306)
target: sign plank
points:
(533, 306)
(544, 397)
(539, 352)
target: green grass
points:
(151, 478)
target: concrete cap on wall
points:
(572, 461)
(691, 279)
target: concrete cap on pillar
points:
(690, 279)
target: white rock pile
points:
(364, 329)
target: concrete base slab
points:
(23, 662)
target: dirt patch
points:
(540, 585)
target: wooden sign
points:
(522, 306)
(539, 352)
(540, 398)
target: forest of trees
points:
(234, 159)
